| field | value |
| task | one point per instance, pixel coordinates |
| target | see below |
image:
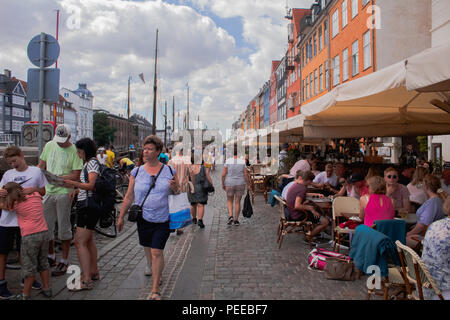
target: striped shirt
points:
(91, 166)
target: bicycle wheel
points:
(109, 229)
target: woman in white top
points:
(101, 156)
(416, 188)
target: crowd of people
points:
(382, 196)
(31, 206)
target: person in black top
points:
(408, 157)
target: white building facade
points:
(83, 102)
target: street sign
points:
(51, 85)
(30, 132)
(51, 50)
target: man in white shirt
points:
(303, 165)
(326, 178)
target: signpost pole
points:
(41, 90)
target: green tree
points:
(103, 132)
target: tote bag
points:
(179, 211)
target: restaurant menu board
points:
(53, 179)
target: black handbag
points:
(135, 211)
(207, 186)
(247, 210)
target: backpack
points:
(317, 258)
(105, 188)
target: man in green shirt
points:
(60, 158)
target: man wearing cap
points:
(60, 157)
(355, 187)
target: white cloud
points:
(116, 39)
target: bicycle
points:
(122, 180)
(106, 225)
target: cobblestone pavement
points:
(244, 262)
(219, 262)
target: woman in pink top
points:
(376, 205)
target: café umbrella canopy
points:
(406, 98)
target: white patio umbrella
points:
(399, 100)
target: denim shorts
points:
(34, 253)
(153, 235)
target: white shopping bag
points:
(179, 211)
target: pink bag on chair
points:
(317, 258)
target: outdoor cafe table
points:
(410, 219)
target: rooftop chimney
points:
(8, 73)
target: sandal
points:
(157, 297)
(84, 286)
(95, 276)
(230, 220)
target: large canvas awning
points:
(407, 98)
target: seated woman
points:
(376, 205)
(417, 194)
(436, 254)
(355, 187)
(428, 213)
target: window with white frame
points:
(17, 125)
(7, 125)
(320, 39)
(321, 78)
(354, 8)
(18, 100)
(18, 112)
(364, 2)
(344, 13)
(366, 50)
(327, 74)
(336, 74)
(355, 58)
(311, 85)
(303, 93)
(325, 33)
(316, 83)
(315, 44)
(335, 23)
(307, 88)
(345, 65)
(7, 111)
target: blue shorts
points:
(153, 235)
(7, 237)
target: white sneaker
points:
(148, 270)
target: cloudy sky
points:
(222, 48)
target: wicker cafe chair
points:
(349, 206)
(415, 273)
(258, 181)
(285, 227)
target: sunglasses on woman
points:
(392, 176)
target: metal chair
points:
(285, 227)
(349, 206)
(415, 273)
